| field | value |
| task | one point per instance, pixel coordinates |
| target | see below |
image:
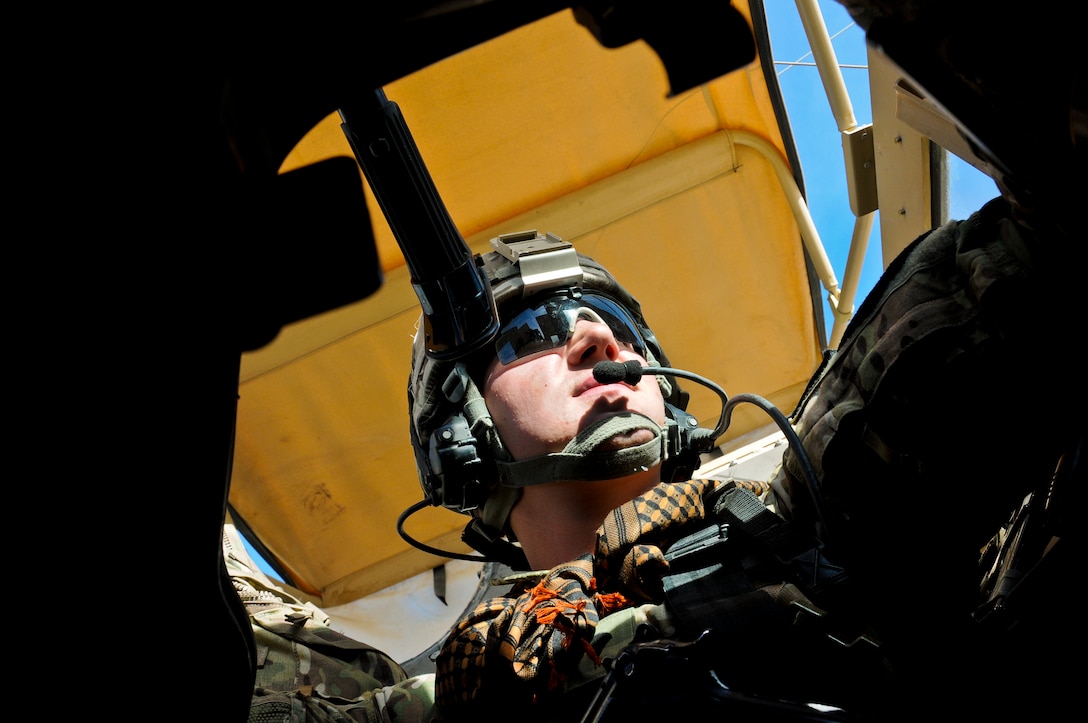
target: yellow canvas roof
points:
(686, 199)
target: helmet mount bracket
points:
(544, 261)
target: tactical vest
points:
(941, 424)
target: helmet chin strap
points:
(578, 461)
(581, 461)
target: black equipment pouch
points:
(748, 568)
(744, 588)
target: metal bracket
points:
(544, 260)
(860, 157)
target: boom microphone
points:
(610, 372)
(631, 371)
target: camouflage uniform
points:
(308, 672)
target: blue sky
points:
(818, 139)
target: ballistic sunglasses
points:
(550, 324)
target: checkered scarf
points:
(522, 647)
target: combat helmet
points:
(462, 462)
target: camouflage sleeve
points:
(410, 701)
(307, 672)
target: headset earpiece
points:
(456, 475)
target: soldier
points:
(583, 480)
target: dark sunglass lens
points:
(533, 330)
(617, 318)
(551, 323)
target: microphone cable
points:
(631, 371)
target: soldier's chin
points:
(623, 440)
